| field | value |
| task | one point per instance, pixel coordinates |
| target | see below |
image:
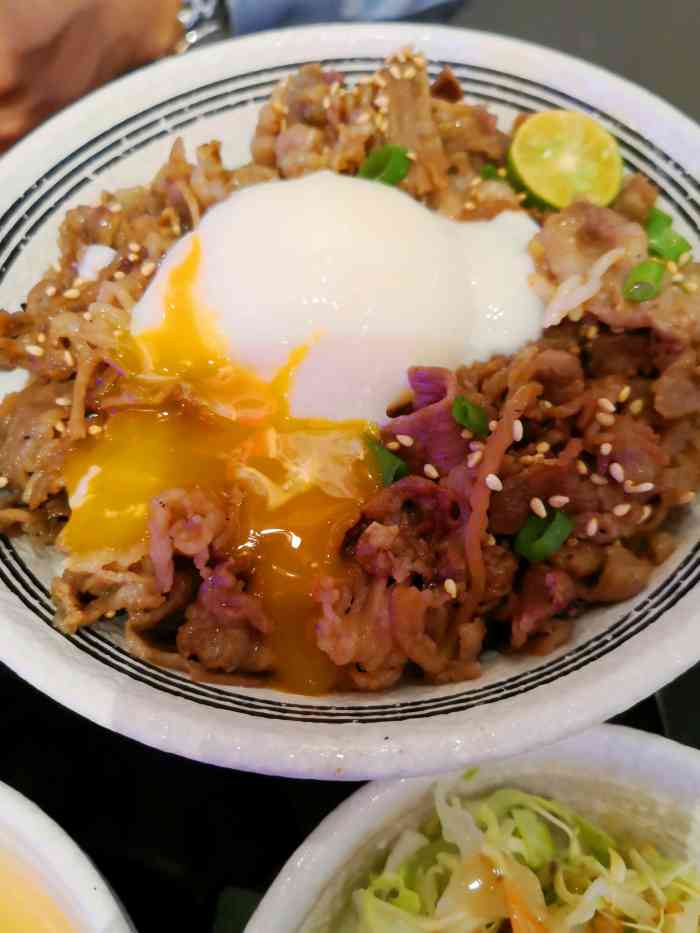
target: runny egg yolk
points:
(222, 430)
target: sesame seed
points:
(382, 101)
(405, 440)
(537, 506)
(545, 403)
(493, 425)
(50, 291)
(543, 447)
(87, 316)
(617, 471)
(3, 482)
(494, 483)
(686, 498)
(326, 102)
(469, 206)
(117, 332)
(558, 502)
(68, 357)
(430, 471)
(148, 268)
(691, 287)
(134, 247)
(606, 449)
(71, 293)
(41, 338)
(523, 197)
(581, 467)
(395, 72)
(56, 266)
(476, 445)
(34, 350)
(624, 393)
(576, 315)
(591, 332)
(602, 417)
(598, 480)
(678, 278)
(63, 401)
(501, 173)
(59, 427)
(684, 259)
(475, 182)
(518, 430)
(638, 487)
(606, 405)
(133, 257)
(646, 513)
(411, 155)
(592, 527)
(409, 73)
(419, 61)
(111, 614)
(115, 207)
(94, 429)
(379, 80)
(119, 274)
(672, 267)
(450, 588)
(636, 406)
(466, 434)
(622, 509)
(393, 445)
(475, 458)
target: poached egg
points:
(275, 336)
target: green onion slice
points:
(644, 281)
(388, 164)
(539, 538)
(470, 416)
(390, 466)
(668, 244)
(657, 221)
(489, 171)
(663, 240)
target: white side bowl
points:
(633, 783)
(58, 866)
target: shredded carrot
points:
(522, 919)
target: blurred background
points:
(190, 846)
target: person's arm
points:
(254, 15)
(54, 51)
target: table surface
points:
(170, 835)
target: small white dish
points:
(53, 863)
(639, 785)
(120, 136)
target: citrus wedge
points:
(559, 155)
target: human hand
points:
(54, 51)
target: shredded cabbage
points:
(517, 858)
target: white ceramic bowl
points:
(640, 785)
(57, 866)
(120, 136)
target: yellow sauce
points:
(304, 479)
(24, 906)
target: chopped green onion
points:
(388, 164)
(390, 466)
(663, 240)
(489, 171)
(657, 221)
(668, 244)
(644, 281)
(539, 538)
(470, 416)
